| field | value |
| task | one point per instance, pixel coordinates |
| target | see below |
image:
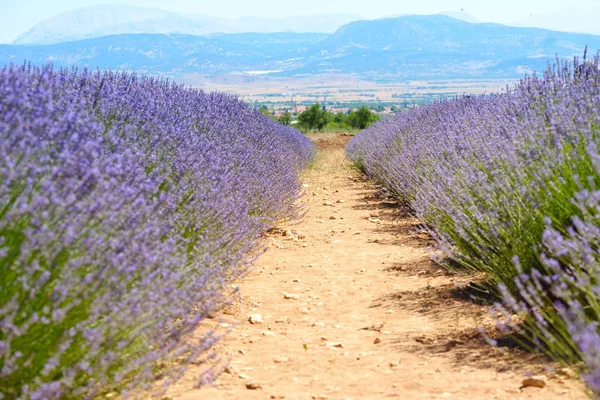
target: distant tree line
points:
(316, 118)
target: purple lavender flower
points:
(508, 185)
(128, 206)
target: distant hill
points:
(402, 48)
(439, 33)
(461, 15)
(114, 19)
(172, 55)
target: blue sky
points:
(17, 16)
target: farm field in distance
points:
(340, 91)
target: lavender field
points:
(509, 185)
(127, 206)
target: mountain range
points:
(402, 48)
(114, 19)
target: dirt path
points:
(352, 308)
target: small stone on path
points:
(534, 382)
(256, 319)
(253, 386)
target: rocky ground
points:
(346, 304)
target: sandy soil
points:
(353, 308)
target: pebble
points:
(340, 201)
(269, 333)
(394, 364)
(289, 296)
(304, 310)
(537, 381)
(245, 377)
(377, 341)
(281, 360)
(328, 204)
(333, 217)
(253, 386)
(256, 319)
(318, 324)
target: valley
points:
(340, 92)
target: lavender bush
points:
(569, 279)
(494, 178)
(127, 205)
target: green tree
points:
(339, 118)
(285, 118)
(362, 118)
(265, 110)
(313, 118)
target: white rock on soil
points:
(255, 319)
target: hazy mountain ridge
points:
(113, 19)
(409, 47)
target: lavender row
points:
(127, 206)
(508, 185)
